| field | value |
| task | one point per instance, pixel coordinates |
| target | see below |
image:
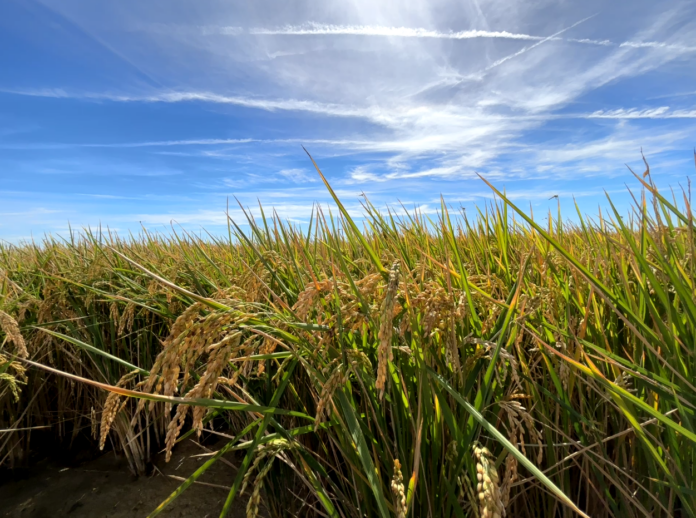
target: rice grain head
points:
(252, 510)
(510, 478)
(397, 487)
(263, 451)
(386, 329)
(11, 328)
(95, 423)
(333, 382)
(490, 501)
(112, 406)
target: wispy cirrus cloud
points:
(384, 31)
(318, 29)
(198, 96)
(658, 45)
(297, 175)
(661, 112)
(211, 142)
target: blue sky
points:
(124, 113)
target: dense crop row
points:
(420, 367)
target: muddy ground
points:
(104, 487)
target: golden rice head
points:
(358, 358)
(518, 416)
(308, 298)
(165, 371)
(7, 364)
(94, 422)
(263, 451)
(202, 335)
(12, 383)
(333, 382)
(252, 510)
(112, 406)
(219, 356)
(114, 313)
(487, 488)
(386, 328)
(174, 429)
(398, 490)
(11, 328)
(510, 478)
(125, 322)
(268, 346)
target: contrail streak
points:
(544, 40)
(319, 29)
(400, 32)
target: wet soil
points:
(104, 487)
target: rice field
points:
(459, 365)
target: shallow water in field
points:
(104, 487)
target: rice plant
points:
(416, 366)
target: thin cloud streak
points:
(381, 116)
(176, 97)
(318, 29)
(191, 142)
(526, 49)
(657, 45)
(315, 29)
(662, 112)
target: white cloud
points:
(318, 29)
(657, 45)
(361, 174)
(626, 141)
(207, 97)
(662, 112)
(297, 175)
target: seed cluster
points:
(520, 420)
(218, 356)
(267, 451)
(94, 423)
(490, 501)
(112, 406)
(13, 381)
(335, 380)
(510, 478)
(164, 374)
(397, 487)
(11, 328)
(384, 353)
